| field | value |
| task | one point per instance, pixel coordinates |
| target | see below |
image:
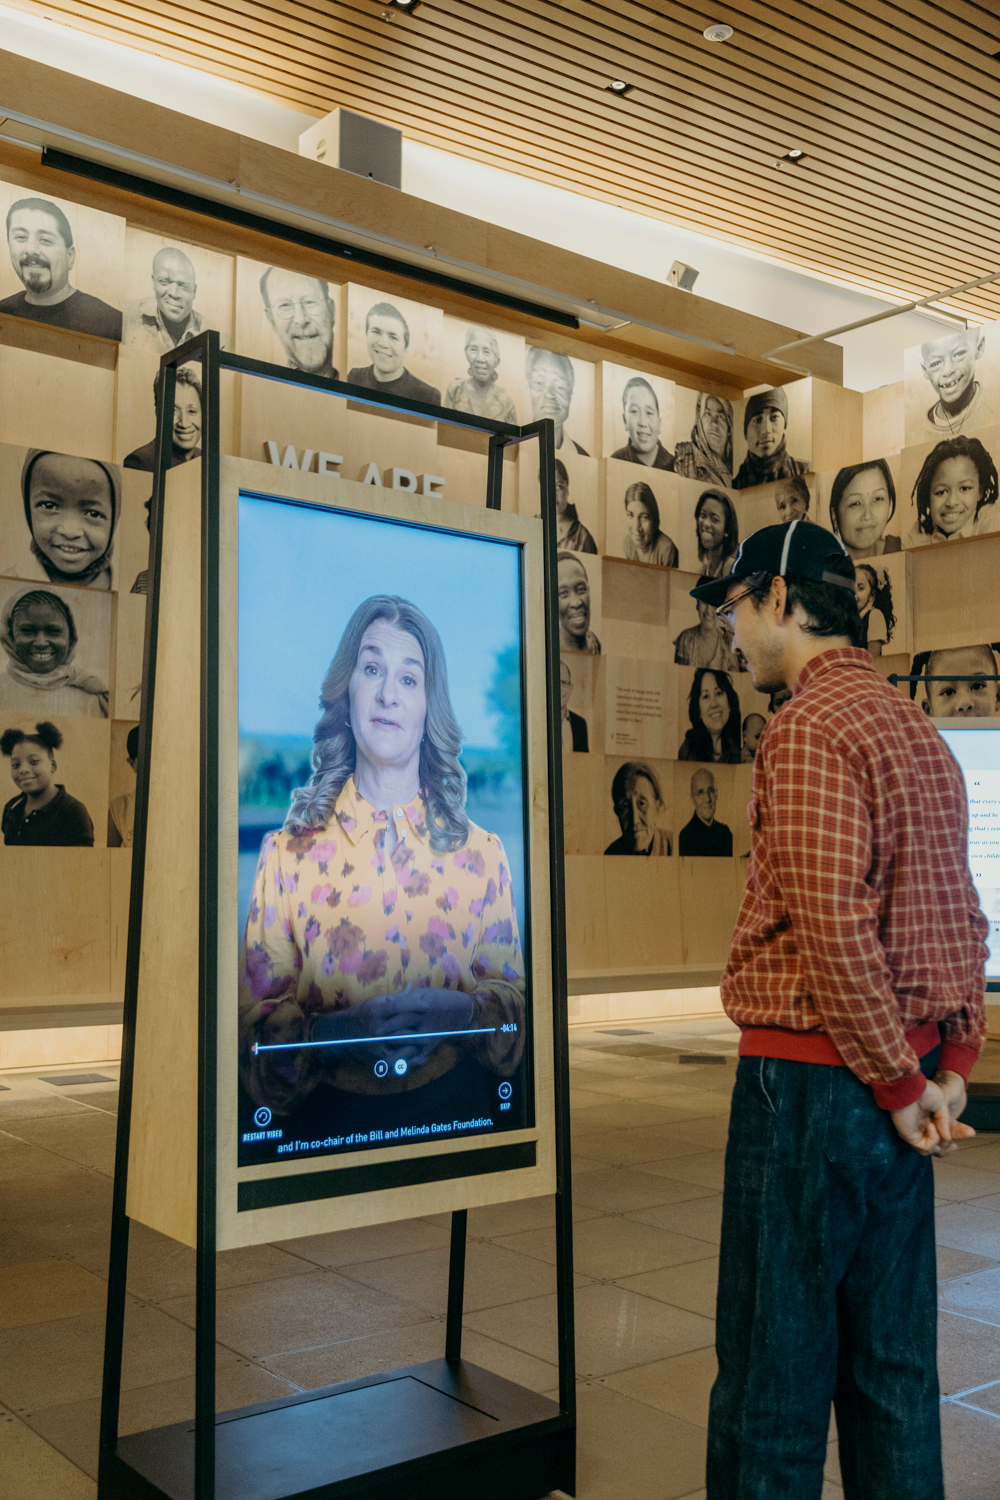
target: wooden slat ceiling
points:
(897, 107)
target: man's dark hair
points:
(43, 206)
(829, 609)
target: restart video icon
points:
(262, 1117)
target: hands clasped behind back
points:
(364, 1029)
(931, 1125)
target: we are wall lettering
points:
(329, 463)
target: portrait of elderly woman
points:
(709, 454)
(550, 386)
(716, 732)
(186, 429)
(381, 917)
(479, 392)
(635, 795)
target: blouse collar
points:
(357, 817)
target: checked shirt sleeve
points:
(820, 845)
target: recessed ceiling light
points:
(620, 87)
(719, 31)
(794, 157)
(409, 5)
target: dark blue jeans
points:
(826, 1294)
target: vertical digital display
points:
(384, 990)
(977, 750)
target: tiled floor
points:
(649, 1131)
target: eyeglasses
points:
(725, 611)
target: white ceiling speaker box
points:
(354, 143)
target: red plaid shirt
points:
(860, 922)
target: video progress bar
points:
(355, 1041)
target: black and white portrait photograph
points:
(483, 371)
(59, 518)
(137, 411)
(950, 489)
(699, 637)
(288, 318)
(64, 263)
(57, 644)
(951, 385)
(973, 692)
(121, 792)
(135, 419)
(860, 503)
(579, 603)
(704, 835)
(577, 507)
(562, 388)
(575, 728)
(637, 416)
(711, 716)
(711, 810)
(640, 811)
(55, 772)
(703, 437)
(172, 291)
(709, 531)
(394, 345)
(773, 435)
(641, 514)
(881, 587)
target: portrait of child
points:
(973, 692)
(955, 493)
(875, 607)
(57, 644)
(69, 508)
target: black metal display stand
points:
(433, 1431)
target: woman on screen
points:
(380, 910)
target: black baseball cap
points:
(795, 549)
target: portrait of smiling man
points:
(162, 321)
(387, 335)
(303, 316)
(43, 254)
(856, 978)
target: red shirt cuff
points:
(956, 1057)
(901, 1093)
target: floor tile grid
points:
(600, 1391)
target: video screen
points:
(383, 991)
(976, 747)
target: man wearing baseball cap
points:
(856, 977)
(764, 426)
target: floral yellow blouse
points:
(334, 921)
